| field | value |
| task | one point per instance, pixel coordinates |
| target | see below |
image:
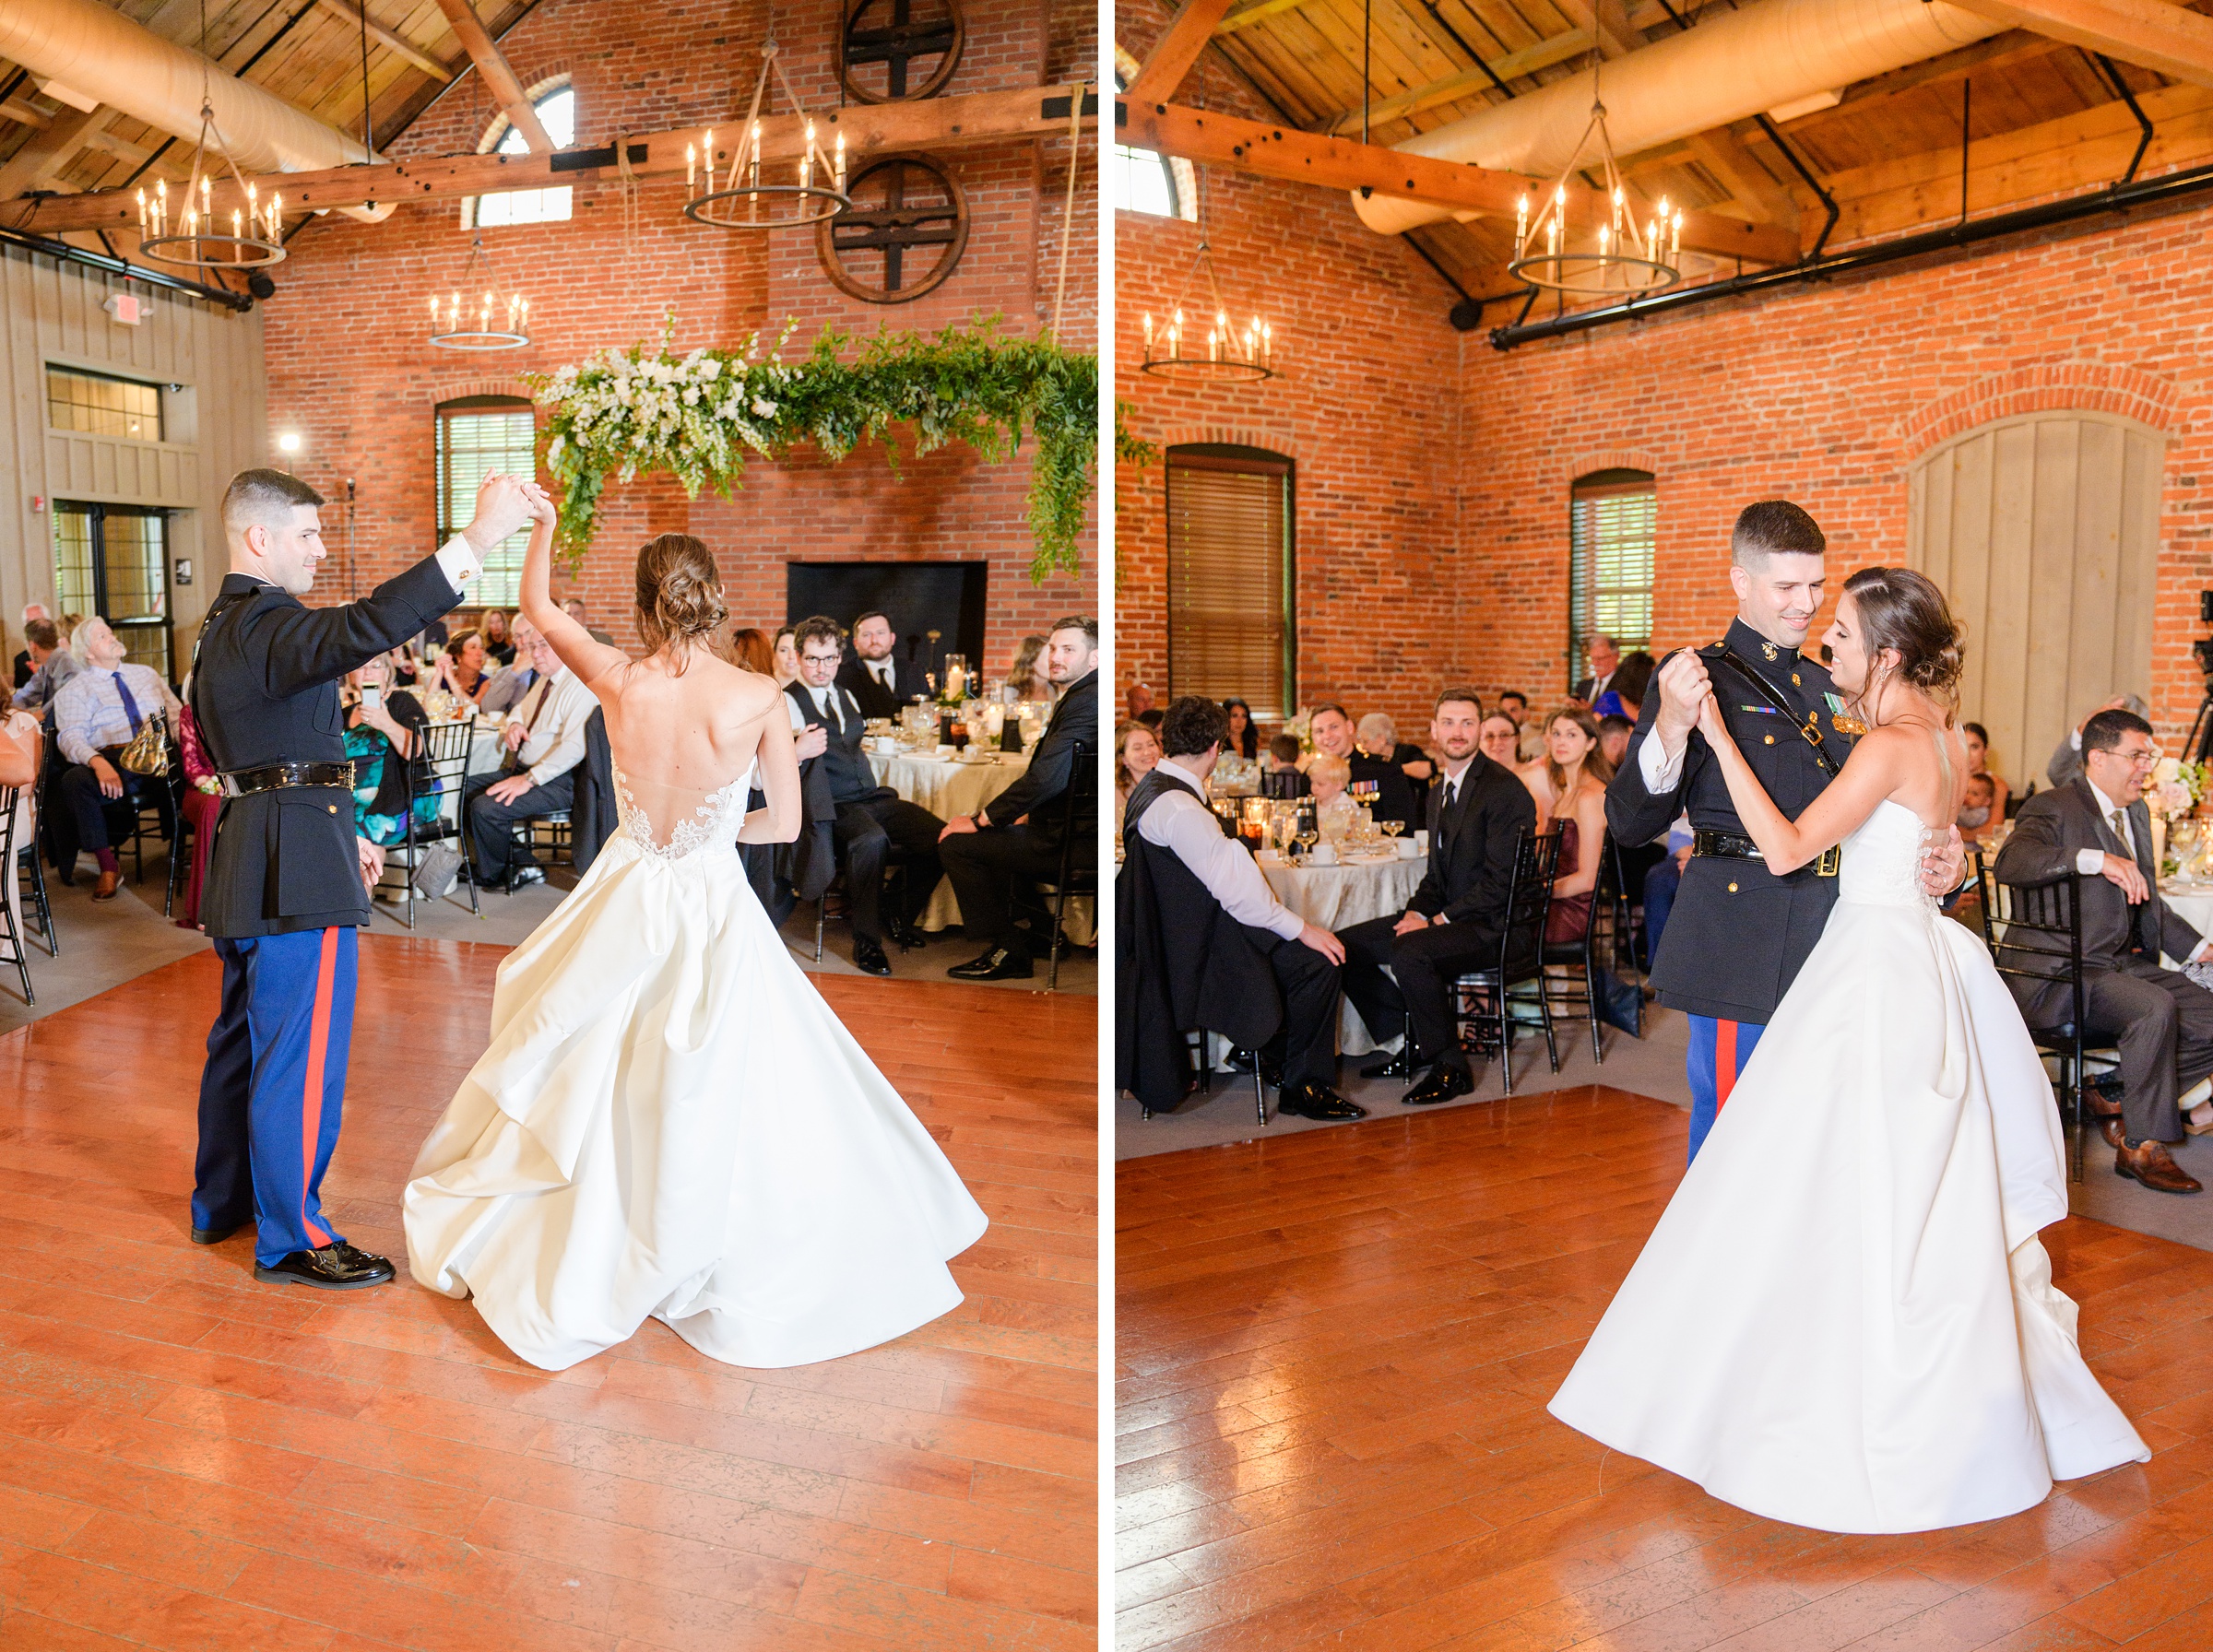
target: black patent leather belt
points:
(275, 776)
(1732, 845)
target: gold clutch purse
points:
(149, 751)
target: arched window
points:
(1231, 621)
(557, 113)
(479, 436)
(1612, 522)
(1143, 181)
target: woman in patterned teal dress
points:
(384, 726)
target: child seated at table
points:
(1334, 810)
(1280, 774)
(1977, 810)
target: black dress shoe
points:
(336, 1267)
(907, 938)
(1317, 1101)
(1444, 1082)
(1400, 1065)
(998, 964)
(868, 955)
(215, 1235)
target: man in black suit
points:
(2097, 825)
(1477, 811)
(986, 852)
(872, 676)
(869, 817)
(288, 883)
(1605, 655)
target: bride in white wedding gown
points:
(669, 1120)
(1844, 1318)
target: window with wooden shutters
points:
(1231, 630)
(478, 436)
(1612, 525)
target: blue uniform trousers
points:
(271, 1093)
(1718, 1050)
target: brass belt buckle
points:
(1830, 858)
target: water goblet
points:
(1308, 838)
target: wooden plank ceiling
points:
(307, 52)
(2043, 118)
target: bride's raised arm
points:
(581, 651)
(1868, 776)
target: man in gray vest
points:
(870, 818)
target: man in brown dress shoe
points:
(2161, 1022)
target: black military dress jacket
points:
(265, 690)
(1738, 934)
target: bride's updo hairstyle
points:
(1904, 610)
(680, 595)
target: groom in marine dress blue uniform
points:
(288, 882)
(1738, 934)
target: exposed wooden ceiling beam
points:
(499, 79)
(1285, 152)
(388, 40)
(45, 153)
(1528, 60)
(870, 129)
(1255, 14)
(31, 115)
(2152, 34)
(1177, 50)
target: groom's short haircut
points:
(267, 498)
(1773, 526)
(1191, 724)
(818, 628)
(2103, 732)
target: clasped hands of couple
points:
(503, 505)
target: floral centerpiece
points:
(695, 417)
(2175, 790)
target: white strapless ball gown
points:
(670, 1121)
(1844, 1318)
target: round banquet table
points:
(1340, 896)
(946, 788)
(2192, 902)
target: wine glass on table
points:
(1308, 838)
(1391, 830)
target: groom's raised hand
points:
(1943, 861)
(1684, 688)
(503, 505)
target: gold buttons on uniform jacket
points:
(1793, 679)
(1769, 739)
(1732, 888)
(334, 808)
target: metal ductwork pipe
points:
(1732, 66)
(86, 49)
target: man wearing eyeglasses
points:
(2097, 825)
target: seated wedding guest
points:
(51, 666)
(1632, 680)
(1605, 658)
(2067, 757)
(786, 651)
(1136, 749)
(1455, 920)
(1281, 774)
(1500, 740)
(1334, 810)
(987, 852)
(1979, 815)
(1244, 734)
(750, 651)
(545, 738)
(499, 648)
(1026, 679)
(1379, 737)
(98, 712)
(202, 804)
(1333, 733)
(510, 685)
(1977, 739)
(384, 728)
(1613, 738)
(460, 670)
(2097, 825)
(25, 664)
(1515, 705)
(869, 817)
(1140, 700)
(1150, 717)
(1570, 789)
(406, 665)
(1203, 942)
(574, 610)
(871, 675)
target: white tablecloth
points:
(2191, 903)
(1338, 897)
(947, 788)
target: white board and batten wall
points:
(215, 423)
(2044, 530)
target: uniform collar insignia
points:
(1767, 649)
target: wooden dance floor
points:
(1335, 1350)
(189, 1459)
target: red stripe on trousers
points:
(311, 1099)
(1724, 1063)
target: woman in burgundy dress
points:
(203, 803)
(1570, 788)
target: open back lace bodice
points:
(713, 819)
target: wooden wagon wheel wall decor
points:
(905, 206)
(898, 51)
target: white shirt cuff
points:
(1287, 923)
(2089, 861)
(458, 561)
(1661, 773)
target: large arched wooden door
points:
(2043, 531)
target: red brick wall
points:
(350, 371)
(1366, 404)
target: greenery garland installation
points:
(626, 411)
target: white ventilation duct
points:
(83, 45)
(1732, 66)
